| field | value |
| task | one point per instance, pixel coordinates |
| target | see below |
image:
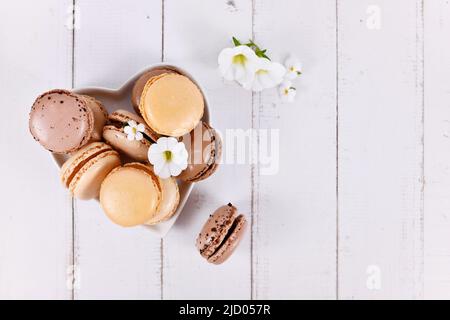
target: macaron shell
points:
(61, 122)
(149, 82)
(213, 164)
(86, 183)
(213, 167)
(129, 196)
(215, 230)
(140, 84)
(172, 105)
(79, 158)
(230, 244)
(100, 116)
(134, 149)
(169, 201)
(201, 144)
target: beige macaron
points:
(84, 171)
(114, 133)
(221, 234)
(130, 195)
(170, 198)
(171, 104)
(142, 80)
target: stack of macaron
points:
(130, 161)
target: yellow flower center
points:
(292, 69)
(168, 155)
(286, 91)
(239, 59)
(262, 71)
(134, 130)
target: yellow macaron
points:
(130, 195)
(171, 104)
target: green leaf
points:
(236, 42)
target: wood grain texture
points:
(358, 208)
(194, 34)
(380, 149)
(115, 40)
(35, 219)
(437, 150)
(295, 207)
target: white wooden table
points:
(360, 207)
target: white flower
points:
(134, 131)
(238, 63)
(168, 157)
(287, 91)
(293, 68)
(267, 75)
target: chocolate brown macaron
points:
(114, 133)
(221, 234)
(63, 122)
(140, 84)
(204, 147)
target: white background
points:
(360, 207)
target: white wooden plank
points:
(194, 34)
(380, 149)
(115, 40)
(295, 209)
(35, 219)
(437, 150)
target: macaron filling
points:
(209, 164)
(231, 231)
(83, 162)
(230, 241)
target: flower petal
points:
(138, 136)
(171, 142)
(140, 127)
(174, 169)
(131, 136)
(132, 123)
(155, 157)
(127, 130)
(162, 171)
(162, 143)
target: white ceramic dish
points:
(120, 99)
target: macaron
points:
(171, 104)
(114, 133)
(140, 84)
(84, 171)
(63, 122)
(221, 234)
(130, 195)
(204, 147)
(170, 198)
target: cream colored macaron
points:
(114, 134)
(171, 104)
(130, 195)
(84, 171)
(169, 201)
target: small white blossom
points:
(287, 91)
(134, 131)
(238, 63)
(168, 157)
(293, 68)
(267, 75)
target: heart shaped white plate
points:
(121, 99)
